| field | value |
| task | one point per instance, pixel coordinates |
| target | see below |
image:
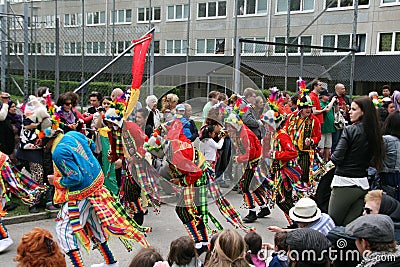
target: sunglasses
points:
(68, 104)
(367, 210)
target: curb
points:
(31, 217)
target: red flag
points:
(139, 57)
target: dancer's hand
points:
(50, 178)
(275, 229)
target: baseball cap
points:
(180, 107)
(372, 227)
(5, 95)
(324, 92)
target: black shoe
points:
(201, 250)
(251, 217)
(139, 217)
(33, 209)
(263, 212)
(9, 206)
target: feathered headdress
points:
(238, 110)
(304, 99)
(273, 116)
(116, 111)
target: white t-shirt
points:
(209, 148)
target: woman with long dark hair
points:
(390, 173)
(360, 145)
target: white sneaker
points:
(5, 243)
(116, 264)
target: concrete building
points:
(110, 25)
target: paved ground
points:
(166, 227)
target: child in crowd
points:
(38, 248)
(210, 249)
(279, 257)
(148, 257)
(180, 115)
(182, 253)
(208, 146)
(254, 253)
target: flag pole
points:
(113, 61)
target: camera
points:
(101, 109)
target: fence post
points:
(3, 22)
(26, 59)
(354, 46)
(57, 59)
(237, 65)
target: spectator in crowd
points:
(254, 254)
(258, 106)
(95, 102)
(208, 146)
(396, 100)
(250, 118)
(390, 173)
(193, 128)
(386, 90)
(294, 99)
(279, 257)
(222, 97)
(148, 257)
(141, 119)
(7, 144)
(97, 121)
(384, 109)
(316, 88)
(182, 253)
(154, 118)
(305, 131)
(169, 103)
(360, 143)
(5, 97)
(16, 123)
(229, 250)
(180, 115)
(378, 202)
(212, 100)
(210, 249)
(375, 240)
(328, 126)
(303, 241)
(68, 115)
(391, 108)
(343, 106)
(39, 249)
(285, 106)
(116, 93)
(307, 215)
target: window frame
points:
(175, 7)
(174, 41)
(345, 7)
(98, 45)
(50, 48)
(335, 52)
(76, 51)
(396, 3)
(78, 20)
(301, 11)
(254, 47)
(146, 19)
(217, 16)
(298, 48)
(256, 11)
(206, 41)
(99, 14)
(392, 46)
(117, 17)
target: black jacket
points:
(249, 118)
(352, 154)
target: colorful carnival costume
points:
(248, 149)
(305, 131)
(189, 168)
(89, 211)
(21, 186)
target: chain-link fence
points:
(265, 63)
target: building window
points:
(144, 14)
(17, 23)
(35, 48)
(34, 22)
(72, 20)
(18, 48)
(96, 18)
(119, 47)
(176, 46)
(344, 3)
(210, 46)
(178, 12)
(211, 9)
(295, 5)
(252, 7)
(389, 42)
(251, 48)
(390, 2)
(50, 21)
(342, 41)
(304, 40)
(95, 48)
(156, 47)
(72, 48)
(121, 16)
(50, 48)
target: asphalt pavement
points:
(166, 227)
